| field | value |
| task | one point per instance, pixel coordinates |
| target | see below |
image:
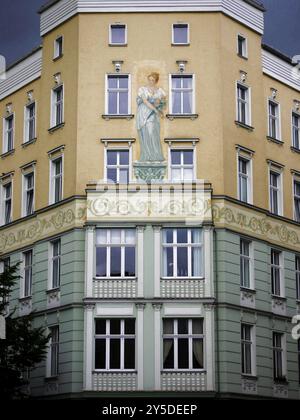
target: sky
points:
(19, 26)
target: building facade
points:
(174, 279)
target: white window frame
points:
(245, 45)
(293, 127)
(51, 345)
(279, 189)
(247, 101)
(282, 349)
(52, 178)
(116, 149)
(188, 33)
(190, 336)
(110, 34)
(56, 52)
(122, 337)
(192, 75)
(250, 258)
(280, 269)
(277, 119)
(248, 158)
(3, 201)
(23, 274)
(5, 132)
(252, 344)
(107, 95)
(25, 192)
(51, 263)
(121, 245)
(27, 119)
(182, 166)
(53, 116)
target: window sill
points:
(246, 126)
(25, 298)
(172, 117)
(246, 289)
(186, 44)
(115, 371)
(114, 278)
(29, 142)
(56, 127)
(282, 381)
(249, 376)
(183, 371)
(275, 297)
(58, 57)
(108, 117)
(55, 289)
(274, 140)
(117, 45)
(10, 152)
(242, 56)
(183, 278)
(294, 149)
(51, 378)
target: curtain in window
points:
(198, 354)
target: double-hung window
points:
(118, 34)
(244, 179)
(274, 120)
(30, 122)
(297, 272)
(115, 344)
(8, 134)
(56, 180)
(182, 94)
(117, 166)
(28, 197)
(115, 253)
(276, 273)
(57, 106)
(53, 361)
(182, 165)
(243, 104)
(180, 35)
(297, 200)
(117, 95)
(275, 192)
(245, 264)
(55, 257)
(247, 349)
(242, 46)
(296, 130)
(7, 202)
(183, 341)
(278, 356)
(182, 253)
(27, 273)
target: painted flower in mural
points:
(151, 101)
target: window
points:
(183, 344)
(54, 351)
(245, 264)
(29, 122)
(182, 253)
(57, 106)
(180, 34)
(55, 256)
(275, 193)
(243, 104)
(115, 252)
(182, 94)
(56, 180)
(4, 264)
(117, 166)
(247, 349)
(27, 273)
(244, 179)
(297, 271)
(299, 360)
(8, 135)
(296, 130)
(7, 202)
(297, 200)
(274, 123)
(117, 101)
(182, 165)
(115, 344)
(278, 356)
(118, 34)
(28, 198)
(242, 46)
(276, 272)
(58, 47)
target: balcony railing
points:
(112, 288)
(182, 288)
(183, 381)
(114, 381)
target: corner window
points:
(182, 165)
(117, 95)
(8, 135)
(58, 47)
(117, 166)
(247, 351)
(243, 104)
(6, 203)
(57, 106)
(275, 192)
(276, 273)
(30, 122)
(28, 194)
(296, 130)
(27, 273)
(182, 94)
(279, 357)
(274, 120)
(246, 264)
(53, 355)
(55, 257)
(180, 34)
(118, 34)
(56, 180)
(242, 46)
(183, 344)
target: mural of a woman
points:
(150, 103)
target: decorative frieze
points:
(115, 288)
(278, 305)
(249, 385)
(280, 390)
(53, 298)
(177, 288)
(114, 381)
(248, 298)
(183, 381)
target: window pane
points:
(168, 354)
(196, 236)
(115, 326)
(182, 262)
(100, 354)
(188, 174)
(124, 176)
(168, 326)
(101, 262)
(115, 237)
(112, 157)
(112, 82)
(183, 353)
(129, 356)
(176, 105)
(112, 103)
(182, 236)
(188, 157)
(129, 326)
(180, 34)
(196, 262)
(130, 261)
(176, 174)
(175, 157)
(101, 235)
(187, 82)
(115, 261)
(124, 157)
(183, 326)
(123, 105)
(114, 354)
(112, 175)
(117, 34)
(197, 326)
(130, 236)
(197, 354)
(176, 82)
(168, 262)
(187, 102)
(100, 326)
(123, 82)
(168, 236)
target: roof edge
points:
(278, 53)
(19, 60)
